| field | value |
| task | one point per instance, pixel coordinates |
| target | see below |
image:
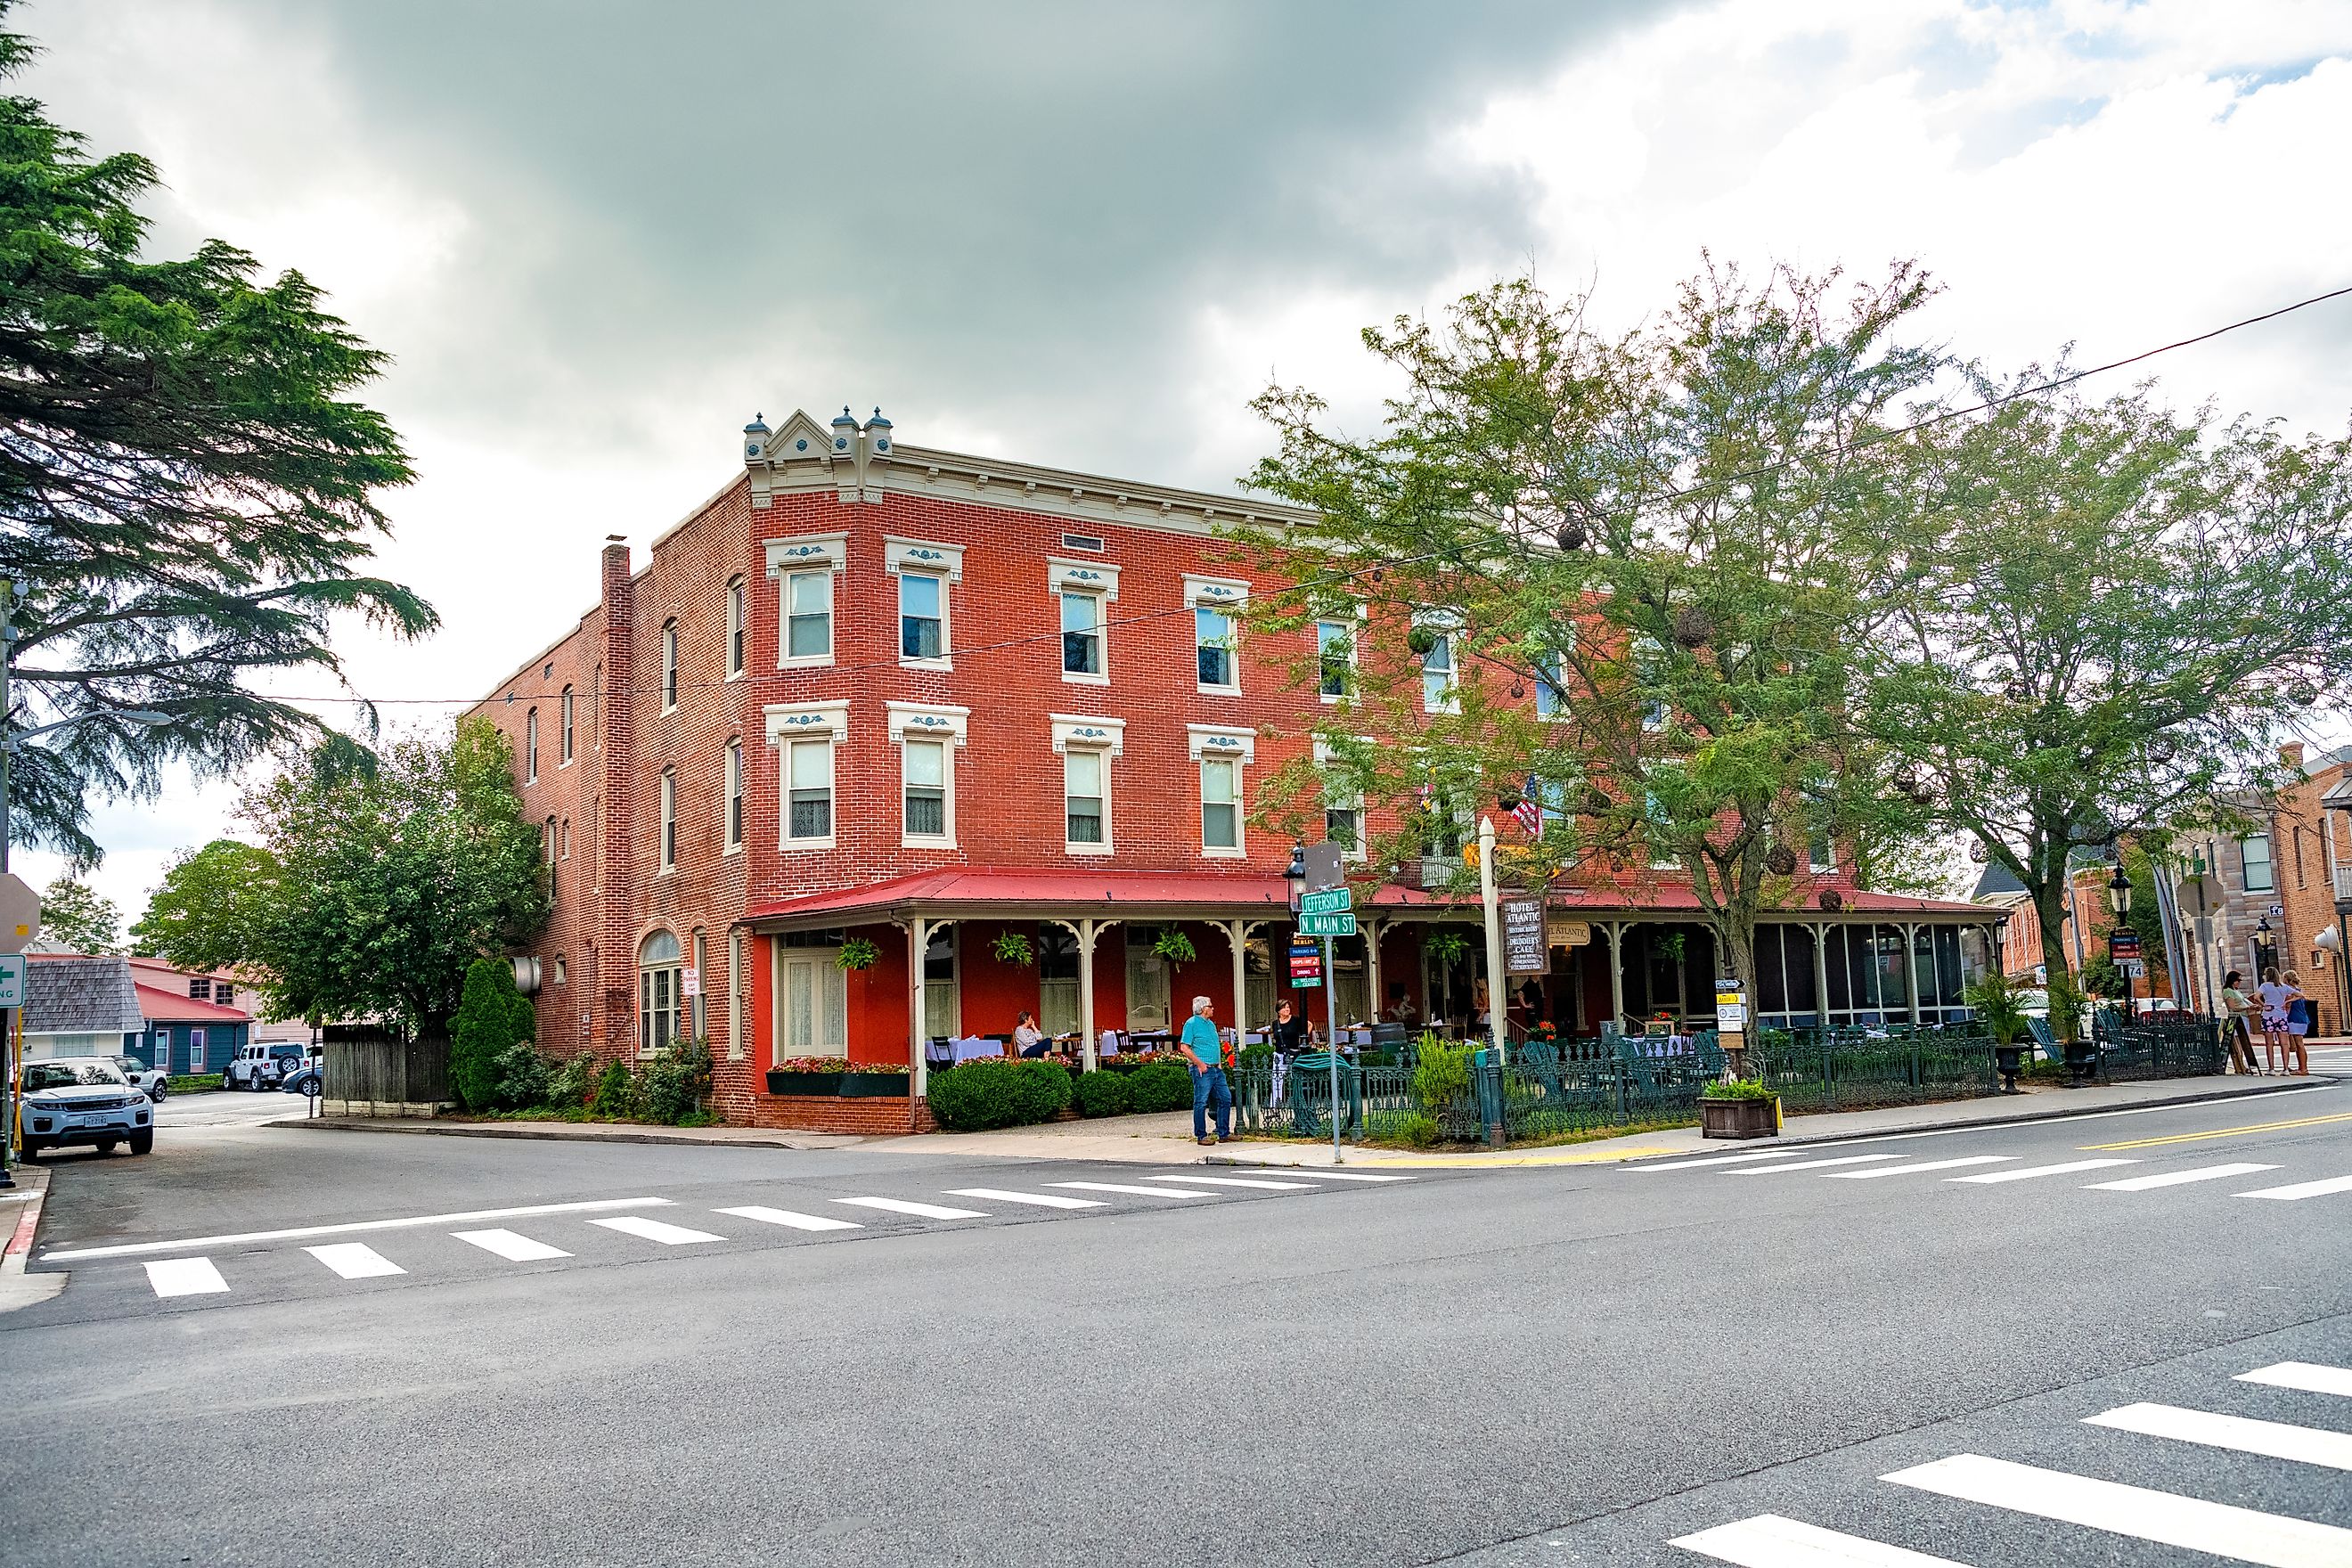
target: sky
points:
(596, 238)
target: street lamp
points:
(2119, 892)
(1295, 874)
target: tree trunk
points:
(2049, 909)
(1734, 934)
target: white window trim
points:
(904, 558)
(665, 824)
(1091, 578)
(787, 722)
(567, 714)
(1229, 595)
(733, 752)
(1362, 616)
(1446, 624)
(1108, 736)
(787, 557)
(1354, 803)
(1206, 742)
(530, 745)
(739, 623)
(928, 721)
(672, 666)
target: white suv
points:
(84, 1100)
(254, 1067)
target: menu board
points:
(1525, 949)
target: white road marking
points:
(1319, 1175)
(1043, 1200)
(1769, 1540)
(185, 1277)
(2304, 1376)
(2068, 1169)
(131, 1250)
(1131, 1191)
(1235, 1182)
(2174, 1178)
(1914, 1170)
(508, 1244)
(656, 1231)
(1812, 1165)
(2272, 1439)
(787, 1216)
(1719, 1160)
(2168, 1518)
(353, 1261)
(920, 1211)
(2303, 1190)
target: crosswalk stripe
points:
(656, 1231)
(920, 1211)
(184, 1277)
(1130, 1191)
(2304, 1190)
(788, 1217)
(2272, 1439)
(1918, 1169)
(2304, 1376)
(1319, 1175)
(2166, 1519)
(1719, 1160)
(246, 1238)
(355, 1260)
(1043, 1200)
(1234, 1182)
(2068, 1169)
(1812, 1166)
(2174, 1178)
(1769, 1540)
(508, 1244)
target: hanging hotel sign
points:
(1568, 933)
(1526, 950)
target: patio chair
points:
(2043, 1037)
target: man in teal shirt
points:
(1206, 1056)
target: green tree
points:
(492, 1017)
(73, 915)
(187, 494)
(1675, 541)
(206, 914)
(2112, 614)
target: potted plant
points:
(2002, 1006)
(1173, 945)
(875, 1080)
(1739, 1108)
(2070, 1017)
(1011, 947)
(857, 954)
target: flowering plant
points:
(814, 1064)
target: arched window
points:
(660, 985)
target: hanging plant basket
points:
(1421, 640)
(1670, 946)
(857, 954)
(1446, 946)
(1781, 862)
(1010, 947)
(1831, 899)
(1174, 946)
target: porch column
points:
(1821, 975)
(1375, 998)
(1911, 971)
(1086, 989)
(918, 940)
(1616, 930)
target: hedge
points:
(1102, 1094)
(1163, 1086)
(979, 1095)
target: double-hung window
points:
(808, 616)
(925, 764)
(669, 666)
(531, 746)
(922, 616)
(1082, 633)
(1648, 675)
(1213, 643)
(1086, 791)
(1221, 790)
(735, 632)
(567, 751)
(1437, 672)
(668, 847)
(734, 794)
(1083, 593)
(808, 774)
(1551, 686)
(2254, 856)
(1334, 658)
(803, 566)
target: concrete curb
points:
(18, 1288)
(574, 1132)
(2024, 1118)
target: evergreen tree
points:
(492, 1019)
(187, 494)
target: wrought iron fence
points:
(2158, 1047)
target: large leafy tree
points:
(372, 887)
(1675, 544)
(2114, 613)
(75, 916)
(186, 490)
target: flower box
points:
(1739, 1118)
(874, 1086)
(780, 1081)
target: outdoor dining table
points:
(974, 1047)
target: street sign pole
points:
(1496, 989)
(1331, 1017)
(1325, 905)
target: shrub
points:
(1103, 1094)
(1442, 1075)
(979, 1095)
(568, 1083)
(491, 1017)
(1161, 1085)
(523, 1077)
(1408, 1127)
(1736, 1089)
(675, 1081)
(616, 1091)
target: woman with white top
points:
(2275, 996)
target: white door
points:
(1146, 989)
(812, 1004)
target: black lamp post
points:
(2119, 891)
(1295, 874)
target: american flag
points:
(1530, 811)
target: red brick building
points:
(920, 700)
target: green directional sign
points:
(1341, 924)
(1336, 901)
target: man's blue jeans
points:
(1209, 1088)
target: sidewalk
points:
(20, 1215)
(2038, 1103)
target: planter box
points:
(874, 1084)
(783, 1082)
(1739, 1118)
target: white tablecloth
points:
(967, 1050)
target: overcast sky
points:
(596, 238)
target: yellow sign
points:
(1568, 933)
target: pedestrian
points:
(2298, 1024)
(2237, 1009)
(1290, 1035)
(1028, 1039)
(1206, 1054)
(2275, 994)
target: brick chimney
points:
(616, 917)
(2292, 756)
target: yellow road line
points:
(2223, 1132)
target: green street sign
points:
(1341, 925)
(1338, 900)
(11, 981)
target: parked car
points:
(2147, 1004)
(307, 1078)
(152, 1082)
(84, 1100)
(253, 1067)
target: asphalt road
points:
(1577, 1364)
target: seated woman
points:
(1028, 1039)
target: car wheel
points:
(107, 1146)
(141, 1143)
(162, 1092)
